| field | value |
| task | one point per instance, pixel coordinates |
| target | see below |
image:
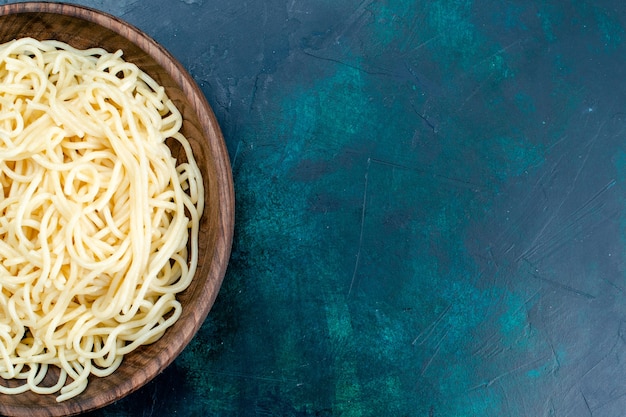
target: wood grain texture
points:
(83, 28)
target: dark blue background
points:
(431, 210)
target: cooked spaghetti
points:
(98, 221)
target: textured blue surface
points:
(430, 219)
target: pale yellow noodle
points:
(98, 222)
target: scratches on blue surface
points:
(426, 333)
(361, 231)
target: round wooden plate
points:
(85, 28)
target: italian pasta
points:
(98, 221)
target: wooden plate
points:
(84, 28)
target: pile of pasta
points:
(98, 221)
